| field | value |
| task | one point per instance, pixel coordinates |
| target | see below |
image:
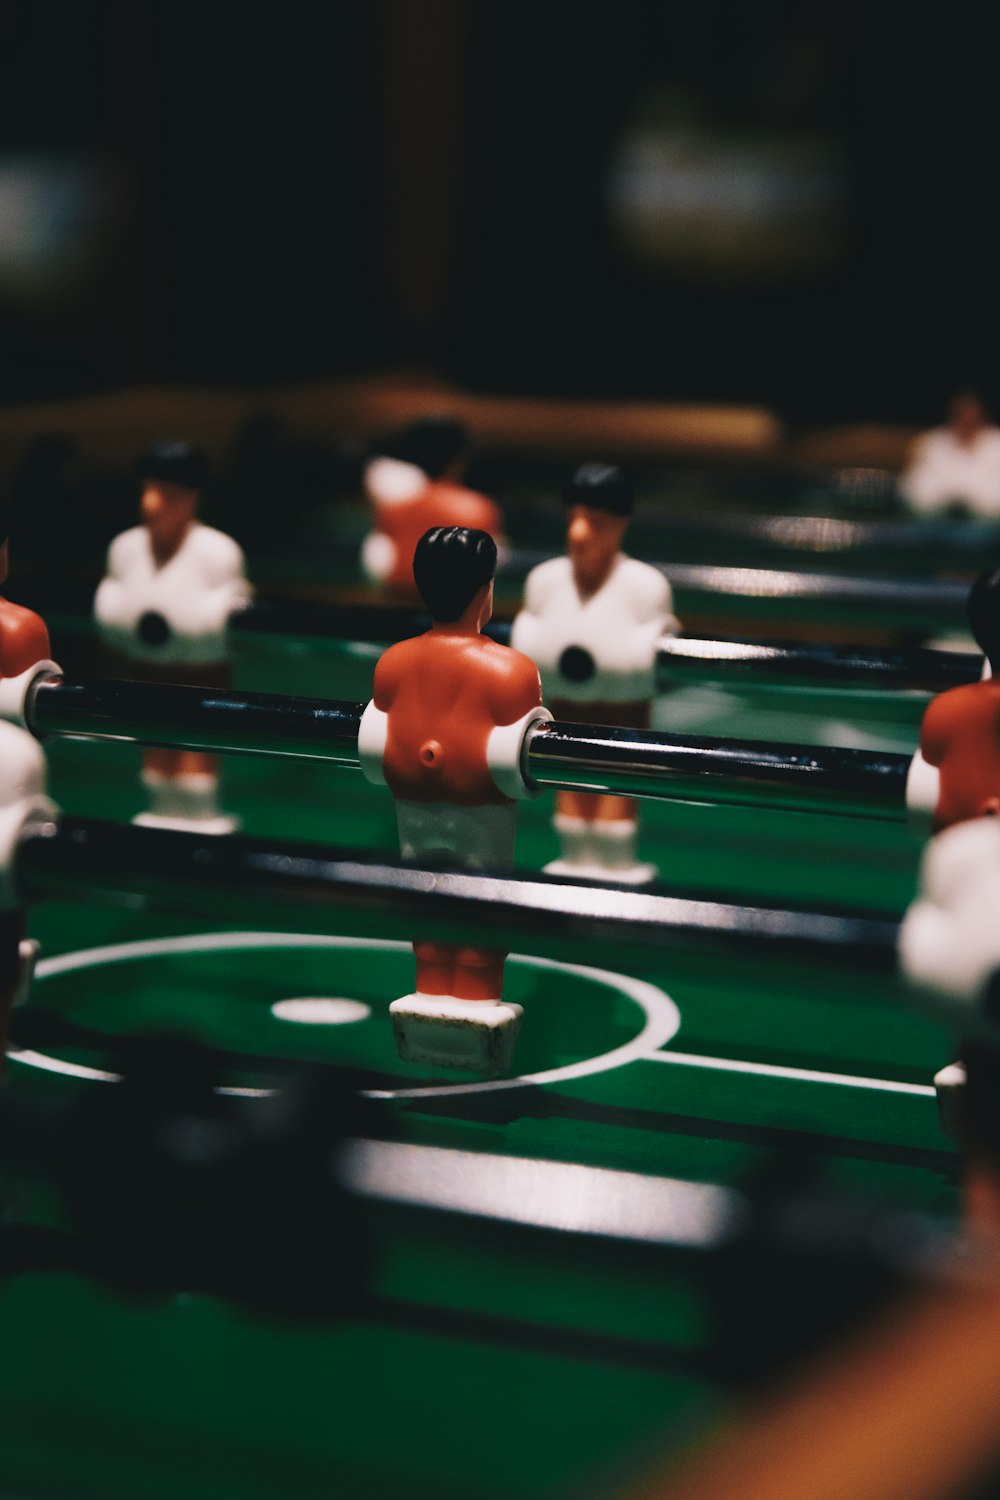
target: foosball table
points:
(517, 1284)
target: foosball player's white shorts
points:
(477, 838)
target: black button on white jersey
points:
(577, 665)
(153, 629)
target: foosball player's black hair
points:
(601, 487)
(984, 616)
(4, 520)
(432, 443)
(450, 566)
(174, 462)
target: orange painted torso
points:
(440, 504)
(24, 639)
(444, 694)
(961, 736)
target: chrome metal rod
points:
(190, 718)
(256, 880)
(636, 762)
(833, 535)
(687, 656)
(631, 762)
(681, 658)
(934, 596)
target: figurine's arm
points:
(517, 691)
(378, 556)
(927, 481)
(528, 630)
(923, 781)
(654, 607)
(24, 641)
(373, 731)
(515, 702)
(935, 731)
(110, 602)
(226, 586)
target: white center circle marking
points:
(662, 1018)
(320, 1010)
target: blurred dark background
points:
(785, 203)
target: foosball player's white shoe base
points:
(638, 874)
(595, 850)
(949, 1086)
(185, 804)
(222, 823)
(475, 1035)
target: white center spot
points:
(317, 1010)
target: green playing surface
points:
(487, 1364)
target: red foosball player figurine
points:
(957, 773)
(444, 731)
(24, 647)
(163, 607)
(592, 622)
(411, 485)
(950, 944)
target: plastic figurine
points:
(164, 605)
(957, 769)
(24, 646)
(956, 467)
(592, 621)
(950, 945)
(411, 486)
(444, 732)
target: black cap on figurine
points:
(174, 462)
(432, 444)
(984, 616)
(4, 520)
(450, 566)
(602, 487)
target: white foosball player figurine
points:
(22, 801)
(957, 466)
(24, 656)
(445, 731)
(592, 622)
(163, 607)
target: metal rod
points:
(678, 657)
(787, 662)
(256, 880)
(802, 663)
(630, 762)
(635, 762)
(934, 596)
(190, 718)
(837, 535)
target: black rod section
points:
(786, 661)
(934, 596)
(631, 762)
(678, 658)
(838, 535)
(801, 663)
(191, 718)
(332, 889)
(587, 757)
